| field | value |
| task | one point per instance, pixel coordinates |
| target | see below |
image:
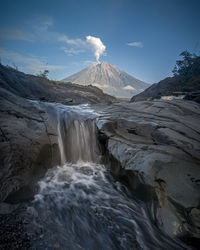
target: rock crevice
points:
(158, 150)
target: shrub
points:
(188, 67)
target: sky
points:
(142, 37)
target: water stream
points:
(79, 204)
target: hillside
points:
(186, 81)
(171, 86)
(34, 87)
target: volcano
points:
(110, 79)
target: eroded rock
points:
(159, 143)
(27, 147)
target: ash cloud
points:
(97, 46)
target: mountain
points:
(34, 87)
(110, 79)
(171, 86)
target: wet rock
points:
(6, 208)
(195, 215)
(194, 96)
(12, 231)
(159, 143)
(26, 148)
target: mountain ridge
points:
(109, 78)
(171, 86)
(40, 88)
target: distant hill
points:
(40, 88)
(186, 81)
(110, 79)
(168, 87)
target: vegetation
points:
(13, 67)
(44, 73)
(188, 67)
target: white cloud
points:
(72, 51)
(41, 32)
(80, 45)
(87, 62)
(42, 25)
(15, 34)
(73, 42)
(46, 23)
(29, 64)
(136, 44)
(128, 87)
(37, 32)
(97, 46)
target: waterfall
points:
(79, 205)
(77, 138)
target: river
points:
(80, 205)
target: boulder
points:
(156, 147)
(27, 147)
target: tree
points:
(15, 66)
(44, 73)
(188, 67)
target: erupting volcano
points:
(110, 79)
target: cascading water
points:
(77, 138)
(81, 206)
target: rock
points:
(171, 87)
(157, 147)
(195, 215)
(27, 149)
(56, 245)
(194, 96)
(6, 208)
(28, 129)
(12, 230)
(154, 145)
(165, 87)
(38, 88)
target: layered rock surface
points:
(39, 88)
(156, 147)
(27, 147)
(171, 86)
(28, 128)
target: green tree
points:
(44, 73)
(188, 67)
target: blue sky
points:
(142, 37)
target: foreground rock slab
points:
(154, 145)
(157, 147)
(27, 148)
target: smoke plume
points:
(97, 46)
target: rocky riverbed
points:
(157, 147)
(151, 146)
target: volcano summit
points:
(109, 78)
